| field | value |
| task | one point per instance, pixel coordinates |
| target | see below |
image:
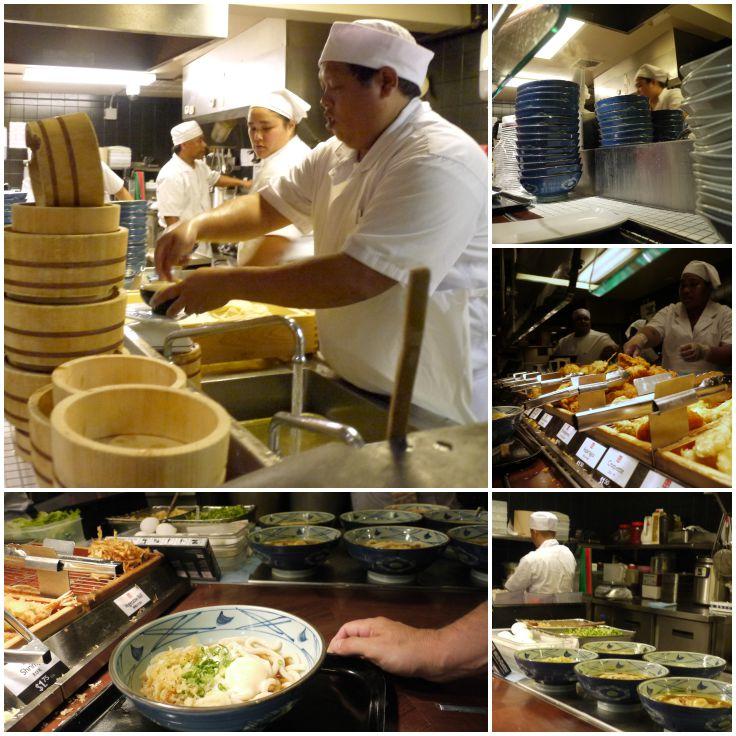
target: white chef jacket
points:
(547, 570)
(419, 197)
(587, 348)
(111, 182)
(673, 326)
(183, 191)
(669, 99)
(273, 166)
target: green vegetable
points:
(227, 512)
(587, 631)
(201, 673)
(44, 518)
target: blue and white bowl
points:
(632, 101)
(616, 692)
(544, 84)
(688, 664)
(675, 717)
(316, 543)
(297, 518)
(546, 170)
(379, 517)
(550, 188)
(208, 626)
(552, 105)
(445, 520)
(471, 545)
(387, 565)
(552, 674)
(619, 649)
(418, 508)
(543, 136)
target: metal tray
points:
(548, 636)
(346, 694)
(576, 622)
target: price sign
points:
(591, 452)
(656, 480)
(528, 411)
(545, 420)
(536, 412)
(28, 680)
(617, 466)
(130, 601)
(566, 433)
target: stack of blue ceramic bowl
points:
(548, 138)
(667, 125)
(11, 198)
(133, 215)
(624, 120)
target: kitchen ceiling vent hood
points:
(612, 17)
(146, 35)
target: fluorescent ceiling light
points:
(568, 30)
(605, 263)
(82, 75)
(554, 281)
(533, 76)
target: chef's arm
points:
(647, 337)
(270, 251)
(170, 220)
(123, 194)
(608, 351)
(521, 579)
(719, 354)
(231, 181)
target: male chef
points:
(651, 82)
(396, 188)
(184, 182)
(585, 344)
(550, 568)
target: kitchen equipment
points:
(40, 406)
(614, 573)
(709, 584)
(660, 586)
(32, 218)
(662, 562)
(504, 426)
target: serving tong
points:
(646, 404)
(611, 380)
(69, 563)
(34, 650)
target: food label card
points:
(591, 452)
(130, 601)
(617, 466)
(536, 412)
(27, 680)
(653, 479)
(545, 420)
(566, 433)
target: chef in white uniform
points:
(651, 82)
(398, 187)
(695, 333)
(272, 121)
(113, 185)
(550, 568)
(184, 182)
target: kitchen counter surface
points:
(689, 611)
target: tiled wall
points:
(453, 76)
(142, 124)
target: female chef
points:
(651, 82)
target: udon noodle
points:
(289, 542)
(556, 659)
(234, 670)
(693, 701)
(387, 544)
(623, 676)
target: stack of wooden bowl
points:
(64, 266)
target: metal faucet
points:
(344, 432)
(297, 361)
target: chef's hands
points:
(174, 247)
(693, 351)
(393, 646)
(637, 343)
(205, 290)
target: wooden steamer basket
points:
(84, 374)
(18, 387)
(64, 269)
(31, 218)
(40, 337)
(40, 406)
(190, 361)
(138, 436)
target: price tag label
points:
(528, 411)
(536, 412)
(566, 433)
(28, 680)
(545, 420)
(591, 452)
(130, 601)
(656, 480)
(617, 466)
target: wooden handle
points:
(416, 312)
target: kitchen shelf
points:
(649, 547)
(509, 538)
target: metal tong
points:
(70, 563)
(647, 404)
(33, 651)
(614, 378)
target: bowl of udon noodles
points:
(395, 550)
(471, 545)
(688, 664)
(552, 665)
(619, 649)
(379, 517)
(294, 547)
(418, 508)
(443, 521)
(693, 704)
(297, 518)
(220, 668)
(614, 681)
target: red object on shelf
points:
(636, 527)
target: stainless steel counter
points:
(689, 611)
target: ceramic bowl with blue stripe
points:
(391, 561)
(379, 517)
(418, 508)
(444, 520)
(690, 717)
(689, 664)
(294, 547)
(297, 518)
(208, 626)
(471, 545)
(594, 679)
(619, 649)
(533, 664)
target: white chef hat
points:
(543, 521)
(635, 325)
(284, 102)
(649, 71)
(377, 43)
(706, 272)
(185, 132)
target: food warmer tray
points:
(548, 637)
(346, 695)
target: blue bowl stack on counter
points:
(133, 215)
(706, 88)
(548, 138)
(668, 125)
(9, 199)
(624, 120)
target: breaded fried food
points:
(713, 446)
(566, 370)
